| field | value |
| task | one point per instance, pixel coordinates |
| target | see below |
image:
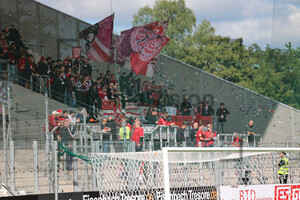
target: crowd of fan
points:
(70, 79)
(71, 83)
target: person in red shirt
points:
(21, 70)
(200, 136)
(138, 136)
(103, 94)
(236, 140)
(197, 116)
(156, 97)
(163, 119)
(209, 136)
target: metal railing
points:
(226, 140)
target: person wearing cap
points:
(186, 107)
(222, 115)
(42, 66)
(283, 168)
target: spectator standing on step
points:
(207, 110)
(152, 119)
(138, 136)
(250, 132)
(180, 137)
(222, 115)
(186, 107)
(283, 168)
(71, 88)
(193, 133)
(66, 141)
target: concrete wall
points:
(275, 121)
(57, 32)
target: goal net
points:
(188, 173)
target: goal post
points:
(189, 173)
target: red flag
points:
(76, 52)
(137, 48)
(98, 39)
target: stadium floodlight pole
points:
(5, 145)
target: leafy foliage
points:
(271, 72)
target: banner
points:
(76, 52)
(261, 192)
(137, 48)
(188, 193)
(143, 112)
(172, 111)
(98, 39)
(179, 120)
(107, 105)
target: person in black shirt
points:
(110, 90)
(42, 66)
(152, 119)
(66, 140)
(105, 131)
(59, 86)
(111, 123)
(180, 137)
(13, 34)
(186, 107)
(193, 133)
(87, 68)
(71, 87)
(207, 110)
(222, 114)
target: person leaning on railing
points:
(250, 132)
(163, 119)
(237, 142)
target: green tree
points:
(271, 72)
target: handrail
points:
(7, 189)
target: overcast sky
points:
(253, 20)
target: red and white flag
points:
(76, 52)
(98, 39)
(138, 48)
